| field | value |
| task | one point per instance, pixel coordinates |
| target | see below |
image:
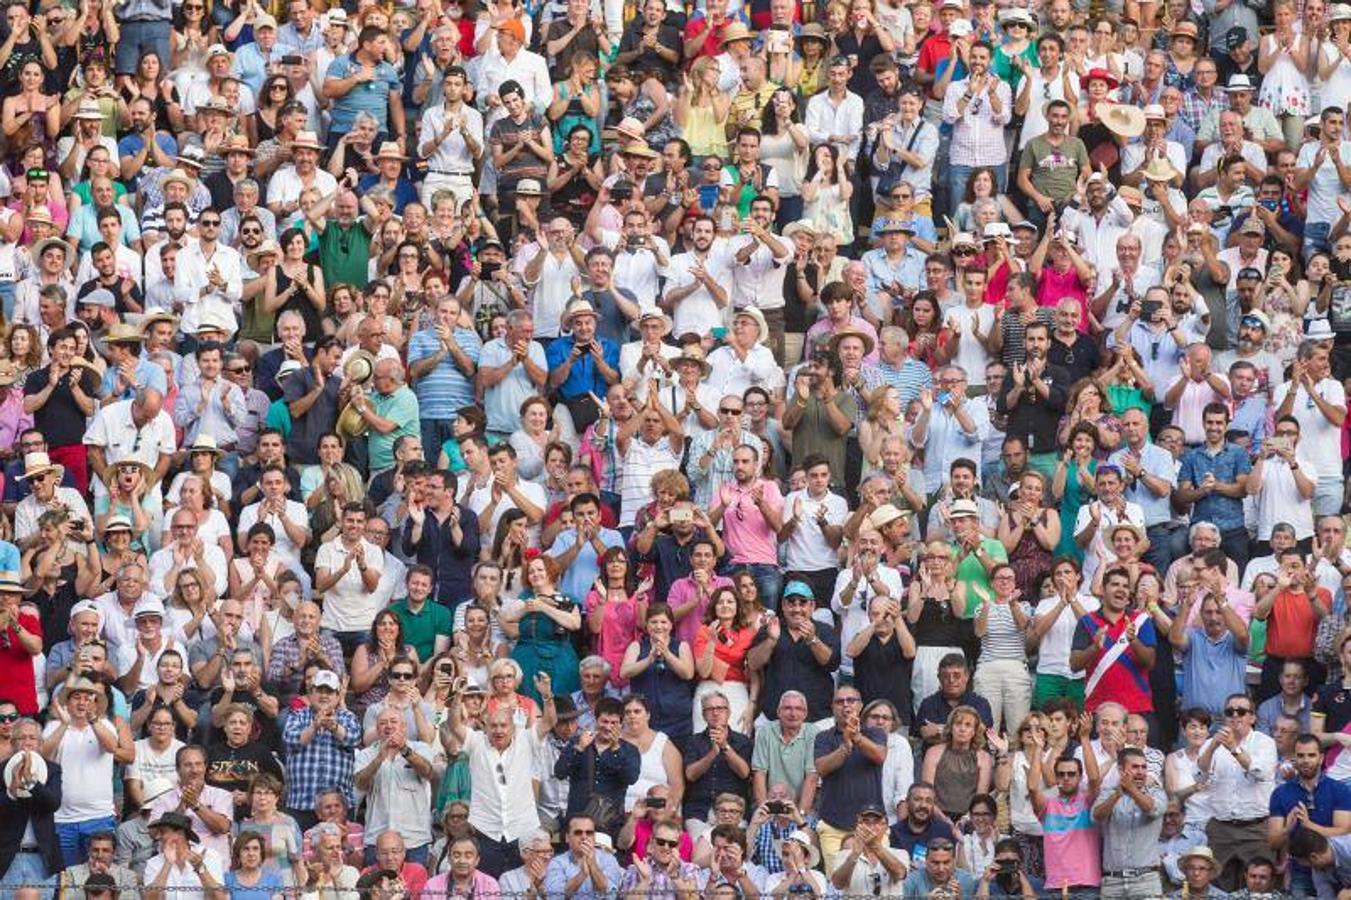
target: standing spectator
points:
(849, 760)
(32, 795)
(795, 651)
(85, 744)
(1131, 817)
(977, 107)
(319, 741)
(209, 810)
(1116, 649)
(444, 536)
(1241, 766)
(395, 776)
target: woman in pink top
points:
(613, 611)
(720, 659)
(1061, 272)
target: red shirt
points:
(18, 684)
(712, 44)
(1292, 623)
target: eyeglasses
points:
(728, 411)
(7, 718)
(209, 223)
(277, 87)
(666, 842)
(711, 167)
(847, 701)
(1235, 711)
(402, 676)
(250, 231)
(1067, 773)
(236, 370)
(583, 832)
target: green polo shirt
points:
(345, 253)
(970, 571)
(401, 408)
(788, 763)
(421, 629)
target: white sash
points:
(1110, 657)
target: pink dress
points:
(618, 629)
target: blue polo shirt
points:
(371, 96)
(1327, 798)
(1232, 461)
(1211, 670)
(1159, 463)
(583, 376)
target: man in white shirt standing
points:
(210, 275)
(395, 775)
(347, 571)
(1318, 403)
(835, 116)
(501, 762)
(696, 293)
(813, 527)
(1240, 763)
(450, 139)
(761, 259)
(1324, 168)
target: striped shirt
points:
(445, 388)
(912, 377)
(1003, 639)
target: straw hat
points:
(736, 32)
(39, 463)
(237, 143)
(124, 333)
(1159, 169)
(750, 312)
(577, 308)
(205, 443)
(868, 342)
(390, 150)
(1122, 119)
(307, 140)
(695, 355)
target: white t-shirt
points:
(151, 764)
(806, 549)
(1053, 654)
(183, 883)
(1279, 500)
(348, 606)
(533, 491)
(1326, 184)
(1319, 440)
(295, 511)
(86, 773)
(971, 353)
(699, 312)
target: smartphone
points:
(1150, 309)
(1279, 443)
(681, 516)
(943, 397)
(727, 219)
(655, 802)
(708, 197)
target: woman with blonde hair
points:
(883, 420)
(959, 767)
(934, 613)
(701, 110)
(1027, 830)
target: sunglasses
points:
(666, 842)
(209, 223)
(1234, 711)
(238, 369)
(402, 676)
(7, 718)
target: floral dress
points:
(1285, 91)
(1287, 330)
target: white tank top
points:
(652, 771)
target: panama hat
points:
(869, 343)
(1123, 119)
(38, 463)
(205, 443)
(736, 32)
(577, 308)
(802, 838)
(391, 150)
(307, 140)
(1159, 169)
(693, 355)
(750, 312)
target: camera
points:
(488, 269)
(655, 802)
(777, 808)
(1149, 310)
(681, 516)
(1008, 866)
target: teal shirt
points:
(400, 407)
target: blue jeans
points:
(7, 291)
(139, 38)
(768, 581)
(435, 432)
(26, 869)
(959, 175)
(74, 837)
(1316, 239)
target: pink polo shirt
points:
(749, 538)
